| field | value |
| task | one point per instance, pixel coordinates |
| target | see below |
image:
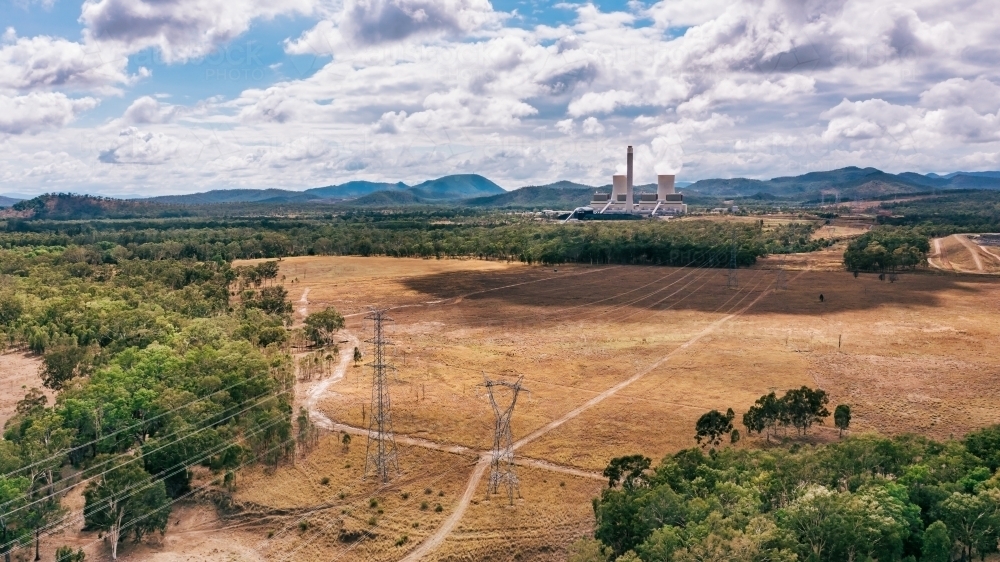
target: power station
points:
(622, 200)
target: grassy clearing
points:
(916, 355)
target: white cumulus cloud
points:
(38, 111)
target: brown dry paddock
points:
(918, 355)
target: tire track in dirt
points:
(937, 254)
(983, 248)
(972, 248)
(304, 302)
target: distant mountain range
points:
(447, 188)
(477, 191)
(849, 183)
(473, 190)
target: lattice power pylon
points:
(502, 462)
(380, 456)
(733, 282)
(781, 278)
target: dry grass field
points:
(618, 360)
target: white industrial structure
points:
(666, 200)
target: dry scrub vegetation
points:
(918, 355)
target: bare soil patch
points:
(19, 373)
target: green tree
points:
(124, 501)
(65, 360)
(805, 406)
(765, 416)
(842, 418)
(972, 520)
(357, 356)
(321, 326)
(14, 524)
(171, 457)
(712, 426)
(937, 543)
(985, 444)
(11, 308)
(887, 248)
(272, 300)
(617, 523)
(267, 271)
(661, 543)
(629, 471)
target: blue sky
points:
(134, 97)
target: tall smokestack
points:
(628, 180)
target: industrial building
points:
(621, 200)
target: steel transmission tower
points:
(781, 279)
(380, 457)
(502, 461)
(733, 281)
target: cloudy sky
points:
(143, 97)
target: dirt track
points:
(957, 253)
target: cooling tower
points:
(619, 189)
(664, 186)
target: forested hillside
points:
(67, 206)
(167, 367)
(948, 213)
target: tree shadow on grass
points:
(627, 291)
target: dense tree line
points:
(887, 248)
(863, 498)
(164, 367)
(947, 213)
(489, 236)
